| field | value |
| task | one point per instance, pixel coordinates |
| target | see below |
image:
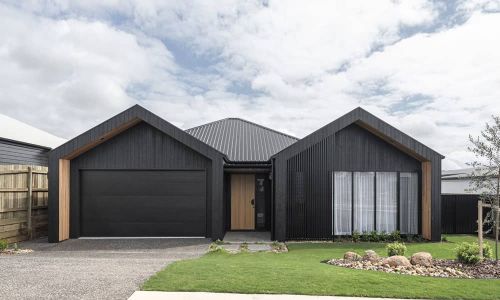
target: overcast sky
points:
(432, 69)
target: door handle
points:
(252, 202)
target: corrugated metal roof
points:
(241, 140)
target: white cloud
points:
(72, 71)
(301, 64)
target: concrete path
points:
(247, 237)
(227, 296)
(89, 269)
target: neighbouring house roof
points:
(241, 140)
(459, 181)
(17, 131)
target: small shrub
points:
(374, 236)
(395, 248)
(356, 236)
(214, 247)
(244, 247)
(279, 247)
(395, 236)
(444, 239)
(468, 253)
(364, 237)
(3, 245)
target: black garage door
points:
(143, 203)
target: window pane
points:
(342, 202)
(364, 196)
(408, 193)
(387, 202)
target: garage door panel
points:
(143, 203)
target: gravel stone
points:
(89, 269)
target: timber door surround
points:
(242, 201)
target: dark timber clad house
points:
(21, 153)
(138, 175)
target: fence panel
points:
(23, 202)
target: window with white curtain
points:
(387, 201)
(342, 187)
(364, 201)
(408, 203)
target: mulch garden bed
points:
(487, 269)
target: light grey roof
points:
(241, 140)
(459, 181)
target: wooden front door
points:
(242, 202)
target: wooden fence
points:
(23, 202)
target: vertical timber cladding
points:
(309, 176)
(426, 200)
(64, 198)
(309, 193)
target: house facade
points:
(138, 175)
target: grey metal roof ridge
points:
(246, 121)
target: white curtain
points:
(387, 202)
(364, 196)
(408, 203)
(342, 187)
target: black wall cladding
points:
(309, 175)
(12, 152)
(459, 213)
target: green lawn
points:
(300, 271)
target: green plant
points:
(356, 236)
(468, 253)
(244, 247)
(279, 247)
(16, 247)
(219, 242)
(374, 236)
(214, 247)
(395, 248)
(395, 236)
(444, 239)
(3, 245)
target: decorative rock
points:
(371, 256)
(352, 256)
(421, 259)
(397, 261)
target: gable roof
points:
(241, 140)
(123, 121)
(17, 131)
(371, 123)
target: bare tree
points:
(486, 174)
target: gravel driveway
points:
(89, 269)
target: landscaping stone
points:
(259, 247)
(244, 247)
(14, 251)
(487, 269)
(397, 261)
(352, 256)
(232, 248)
(421, 259)
(371, 256)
